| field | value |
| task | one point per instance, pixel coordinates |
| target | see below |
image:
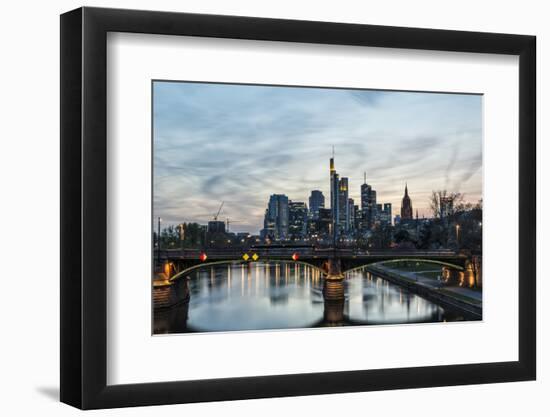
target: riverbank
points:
(464, 300)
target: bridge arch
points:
(390, 261)
(196, 266)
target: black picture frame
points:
(84, 207)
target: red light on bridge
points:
(203, 257)
(295, 256)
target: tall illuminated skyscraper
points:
(343, 195)
(334, 197)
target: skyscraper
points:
(365, 193)
(387, 213)
(324, 222)
(334, 199)
(316, 202)
(383, 214)
(406, 206)
(358, 217)
(276, 218)
(351, 215)
(368, 204)
(343, 196)
(297, 219)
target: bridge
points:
(332, 262)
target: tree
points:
(402, 236)
(169, 237)
(442, 200)
(192, 236)
(463, 207)
(439, 236)
(381, 237)
(424, 237)
(470, 223)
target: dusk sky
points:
(240, 144)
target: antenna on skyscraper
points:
(333, 151)
(364, 177)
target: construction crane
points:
(228, 222)
(218, 213)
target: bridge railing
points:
(237, 253)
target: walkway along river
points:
(285, 295)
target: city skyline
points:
(240, 144)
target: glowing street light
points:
(158, 240)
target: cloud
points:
(239, 144)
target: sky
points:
(241, 143)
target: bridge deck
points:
(347, 259)
(310, 253)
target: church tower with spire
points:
(406, 206)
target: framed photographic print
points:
(258, 207)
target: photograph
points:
(298, 204)
(299, 207)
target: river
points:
(261, 296)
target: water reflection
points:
(258, 296)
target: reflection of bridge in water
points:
(282, 294)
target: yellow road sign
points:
(255, 257)
(246, 256)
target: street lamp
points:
(457, 230)
(158, 240)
